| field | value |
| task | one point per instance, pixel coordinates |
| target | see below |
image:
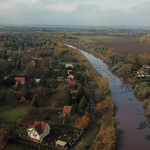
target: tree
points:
(9, 81)
(3, 137)
(74, 109)
(10, 96)
(42, 81)
(149, 72)
(23, 99)
(80, 92)
(18, 65)
(45, 62)
(68, 98)
(83, 122)
(19, 85)
(83, 103)
(64, 73)
(143, 39)
(103, 85)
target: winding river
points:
(130, 114)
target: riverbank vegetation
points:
(106, 129)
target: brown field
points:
(123, 45)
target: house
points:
(34, 57)
(66, 110)
(70, 66)
(143, 71)
(22, 80)
(60, 78)
(61, 144)
(37, 80)
(70, 76)
(72, 84)
(145, 66)
(79, 72)
(39, 130)
(10, 48)
(57, 70)
(33, 63)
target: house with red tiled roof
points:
(143, 71)
(70, 76)
(66, 110)
(72, 84)
(38, 130)
(22, 80)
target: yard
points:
(13, 114)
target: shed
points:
(61, 144)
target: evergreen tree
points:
(64, 73)
(149, 72)
(80, 92)
(19, 85)
(18, 64)
(42, 81)
(74, 109)
(68, 98)
(83, 103)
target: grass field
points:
(13, 114)
(95, 37)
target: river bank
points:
(130, 114)
(106, 132)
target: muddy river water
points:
(130, 113)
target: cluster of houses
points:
(39, 130)
(143, 71)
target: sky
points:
(76, 12)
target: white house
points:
(39, 130)
(70, 65)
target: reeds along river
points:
(130, 113)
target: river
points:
(130, 113)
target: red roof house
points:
(142, 71)
(22, 80)
(72, 84)
(66, 110)
(38, 130)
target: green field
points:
(13, 114)
(95, 37)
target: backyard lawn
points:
(13, 114)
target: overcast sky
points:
(76, 12)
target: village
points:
(45, 95)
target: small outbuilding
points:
(61, 144)
(66, 110)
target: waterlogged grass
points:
(95, 37)
(14, 114)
